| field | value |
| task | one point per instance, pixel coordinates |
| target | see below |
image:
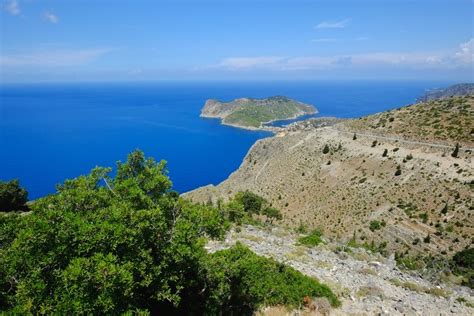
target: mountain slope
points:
(461, 89)
(403, 194)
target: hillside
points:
(252, 113)
(395, 185)
(447, 120)
(460, 89)
(366, 283)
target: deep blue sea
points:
(50, 132)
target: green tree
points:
(251, 202)
(12, 196)
(129, 244)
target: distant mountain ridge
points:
(460, 89)
(252, 113)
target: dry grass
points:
(436, 291)
(369, 290)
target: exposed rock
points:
(360, 293)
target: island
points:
(252, 114)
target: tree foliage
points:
(12, 196)
(125, 244)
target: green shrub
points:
(375, 225)
(313, 239)
(398, 171)
(131, 246)
(465, 258)
(326, 149)
(251, 202)
(241, 282)
(12, 196)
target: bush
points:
(12, 196)
(242, 282)
(133, 246)
(464, 258)
(326, 149)
(251, 202)
(385, 152)
(463, 262)
(272, 214)
(313, 239)
(398, 171)
(375, 225)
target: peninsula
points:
(254, 113)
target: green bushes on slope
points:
(129, 243)
(246, 281)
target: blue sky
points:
(87, 40)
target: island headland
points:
(253, 114)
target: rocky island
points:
(251, 113)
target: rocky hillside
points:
(390, 184)
(447, 121)
(366, 283)
(251, 113)
(461, 89)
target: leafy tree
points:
(129, 244)
(89, 249)
(12, 196)
(251, 202)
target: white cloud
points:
(333, 24)
(454, 59)
(466, 52)
(54, 58)
(236, 63)
(51, 17)
(12, 7)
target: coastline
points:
(273, 129)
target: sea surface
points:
(51, 132)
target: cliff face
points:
(356, 181)
(251, 113)
(216, 109)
